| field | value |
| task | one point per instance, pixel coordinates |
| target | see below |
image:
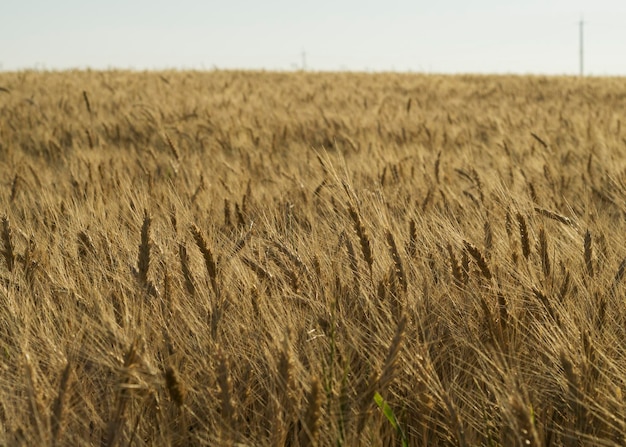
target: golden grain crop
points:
(250, 258)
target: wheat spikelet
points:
(479, 258)
(508, 224)
(389, 367)
(564, 286)
(85, 245)
(465, 266)
(488, 237)
(8, 252)
(184, 264)
(523, 231)
(383, 176)
(241, 220)
(35, 401)
(539, 140)
(286, 379)
(317, 191)
(412, 244)
(588, 254)
(489, 320)
(555, 216)
(261, 273)
(293, 257)
(591, 369)
(354, 265)
(172, 147)
(117, 419)
(478, 183)
(311, 421)
(86, 99)
(227, 220)
(601, 315)
(143, 260)
(397, 261)
(503, 311)
(543, 299)
(59, 407)
(89, 138)
(543, 253)
(575, 394)
(366, 247)
(174, 386)
(207, 255)
(437, 163)
(456, 267)
(174, 219)
(533, 192)
(14, 185)
(167, 302)
(289, 272)
(525, 422)
(225, 385)
(432, 265)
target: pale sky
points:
(446, 36)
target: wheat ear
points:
(209, 260)
(57, 421)
(588, 254)
(523, 231)
(359, 228)
(8, 251)
(479, 258)
(311, 422)
(174, 386)
(143, 260)
(397, 261)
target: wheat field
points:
(257, 258)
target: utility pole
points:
(580, 32)
(303, 60)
